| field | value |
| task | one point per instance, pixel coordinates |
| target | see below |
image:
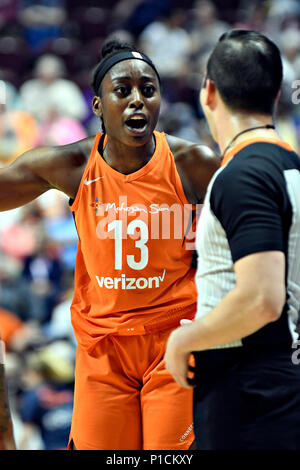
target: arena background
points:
(48, 50)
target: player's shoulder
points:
(79, 150)
(55, 158)
(192, 151)
(196, 163)
(76, 153)
(192, 154)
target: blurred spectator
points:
(288, 130)
(47, 400)
(8, 11)
(14, 57)
(60, 326)
(12, 297)
(168, 44)
(93, 20)
(60, 226)
(136, 15)
(288, 117)
(179, 119)
(38, 283)
(9, 96)
(16, 334)
(10, 324)
(43, 273)
(22, 238)
(62, 131)
(123, 11)
(119, 35)
(19, 132)
(42, 20)
(49, 95)
(204, 26)
(282, 14)
(251, 15)
(289, 43)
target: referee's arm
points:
(256, 300)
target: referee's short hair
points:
(246, 68)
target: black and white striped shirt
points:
(252, 205)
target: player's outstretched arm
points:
(22, 181)
(39, 170)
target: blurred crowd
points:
(48, 50)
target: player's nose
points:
(136, 99)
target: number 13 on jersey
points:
(117, 226)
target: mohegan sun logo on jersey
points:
(161, 221)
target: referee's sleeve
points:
(247, 200)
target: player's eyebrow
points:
(115, 79)
(148, 77)
(127, 77)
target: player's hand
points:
(177, 356)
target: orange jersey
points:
(133, 268)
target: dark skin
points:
(129, 88)
(44, 168)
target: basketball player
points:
(133, 280)
(7, 441)
(247, 393)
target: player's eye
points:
(148, 90)
(122, 90)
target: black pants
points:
(247, 398)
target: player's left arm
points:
(256, 300)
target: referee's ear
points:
(208, 94)
(97, 106)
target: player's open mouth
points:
(136, 124)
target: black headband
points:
(110, 61)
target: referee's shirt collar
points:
(238, 147)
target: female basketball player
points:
(131, 192)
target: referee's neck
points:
(231, 124)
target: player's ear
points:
(97, 106)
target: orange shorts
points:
(125, 399)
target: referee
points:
(247, 388)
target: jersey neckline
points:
(237, 148)
(136, 174)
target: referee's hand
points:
(177, 358)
